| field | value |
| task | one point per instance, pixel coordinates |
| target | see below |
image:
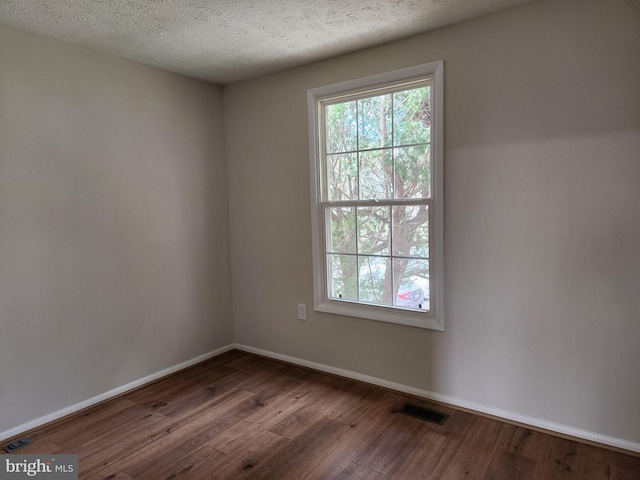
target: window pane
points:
(374, 279)
(343, 276)
(342, 238)
(411, 231)
(342, 176)
(412, 116)
(411, 283)
(374, 122)
(373, 230)
(341, 127)
(376, 170)
(413, 172)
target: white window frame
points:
(435, 318)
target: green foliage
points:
(342, 127)
(378, 148)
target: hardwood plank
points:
(189, 436)
(358, 472)
(339, 452)
(201, 463)
(107, 451)
(511, 466)
(212, 367)
(261, 377)
(298, 459)
(300, 421)
(250, 457)
(598, 463)
(249, 363)
(353, 403)
(184, 402)
(424, 449)
(377, 416)
(561, 463)
(286, 404)
(99, 424)
(165, 393)
(530, 443)
(129, 442)
(383, 451)
(183, 437)
(236, 437)
(470, 456)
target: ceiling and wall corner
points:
(224, 41)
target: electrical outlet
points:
(302, 311)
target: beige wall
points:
(542, 160)
(114, 251)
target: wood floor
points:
(239, 416)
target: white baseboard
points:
(456, 402)
(111, 393)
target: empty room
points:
(365, 239)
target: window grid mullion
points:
(403, 257)
(375, 149)
(355, 206)
(408, 202)
(324, 195)
(393, 195)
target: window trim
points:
(322, 303)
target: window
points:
(376, 187)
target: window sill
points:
(381, 313)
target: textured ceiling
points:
(229, 40)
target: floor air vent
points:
(424, 413)
(17, 445)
